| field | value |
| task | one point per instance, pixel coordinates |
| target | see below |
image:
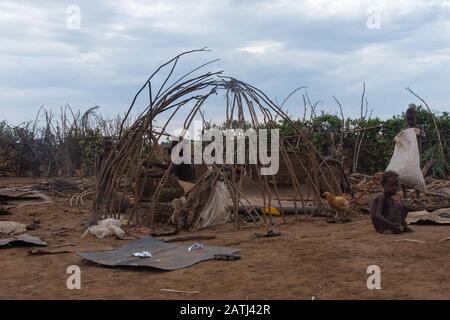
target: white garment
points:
(406, 159)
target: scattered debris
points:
(439, 217)
(78, 198)
(409, 240)
(179, 291)
(64, 184)
(64, 249)
(106, 228)
(248, 217)
(271, 210)
(186, 185)
(23, 239)
(195, 246)
(143, 254)
(12, 228)
(186, 237)
(21, 197)
(268, 234)
(67, 244)
(143, 231)
(61, 232)
(4, 210)
(227, 257)
(339, 220)
(44, 251)
(36, 224)
(163, 231)
(287, 210)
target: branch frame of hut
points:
(244, 104)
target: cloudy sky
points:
(330, 46)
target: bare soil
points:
(310, 259)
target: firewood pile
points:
(437, 185)
(429, 203)
(436, 197)
(365, 183)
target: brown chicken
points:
(340, 204)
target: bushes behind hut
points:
(52, 146)
(71, 143)
(325, 131)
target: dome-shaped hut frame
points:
(244, 105)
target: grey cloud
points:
(328, 48)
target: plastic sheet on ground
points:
(23, 197)
(165, 256)
(441, 216)
(23, 239)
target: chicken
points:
(339, 203)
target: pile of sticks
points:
(436, 184)
(436, 197)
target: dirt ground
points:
(310, 259)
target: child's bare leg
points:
(405, 223)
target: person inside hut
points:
(388, 214)
(183, 171)
(411, 120)
(108, 146)
(152, 171)
(149, 175)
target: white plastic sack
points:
(216, 210)
(106, 228)
(11, 228)
(406, 159)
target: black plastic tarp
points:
(165, 256)
(23, 239)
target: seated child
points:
(388, 215)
